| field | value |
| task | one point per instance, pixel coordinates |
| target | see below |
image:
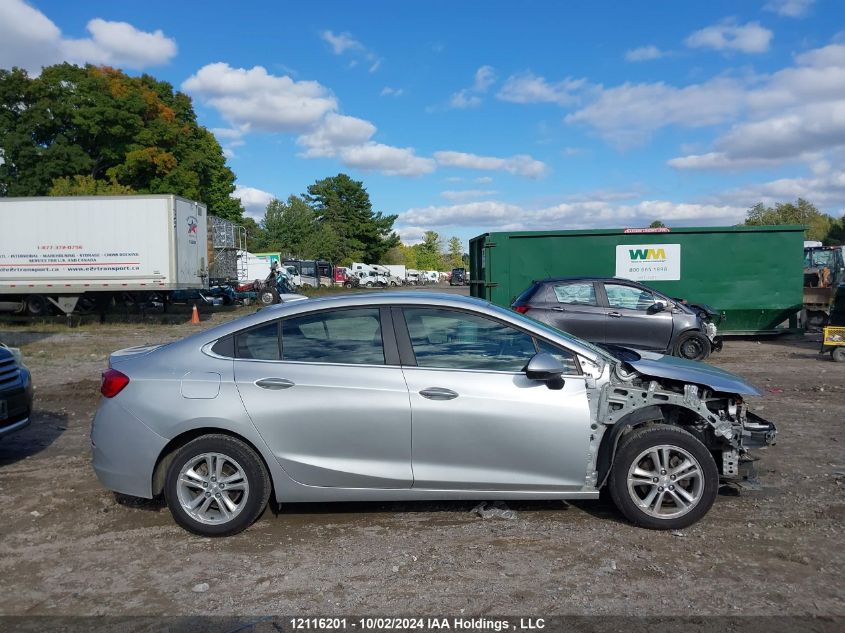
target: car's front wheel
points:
(663, 478)
(216, 485)
(693, 346)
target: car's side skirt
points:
(306, 494)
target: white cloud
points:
(826, 189)
(793, 114)
(392, 161)
(463, 194)
(387, 91)
(588, 212)
(529, 88)
(628, 114)
(29, 39)
(471, 97)
(730, 36)
(465, 214)
(789, 8)
(259, 100)
(344, 43)
(341, 42)
(483, 180)
(644, 53)
(255, 201)
(335, 132)
(519, 165)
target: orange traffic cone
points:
(195, 315)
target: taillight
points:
(113, 383)
(521, 309)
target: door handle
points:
(559, 309)
(438, 393)
(275, 383)
(615, 315)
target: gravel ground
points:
(69, 547)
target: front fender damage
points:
(720, 421)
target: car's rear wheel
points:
(663, 478)
(216, 485)
(693, 346)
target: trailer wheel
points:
(838, 354)
(693, 346)
(269, 297)
(36, 305)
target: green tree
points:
(430, 252)
(87, 186)
(657, 224)
(799, 212)
(344, 205)
(98, 122)
(290, 227)
(456, 252)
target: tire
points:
(693, 346)
(268, 297)
(37, 305)
(699, 490)
(369, 284)
(237, 459)
(838, 354)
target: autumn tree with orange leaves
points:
(96, 130)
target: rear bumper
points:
(124, 450)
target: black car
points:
(622, 313)
(459, 277)
(15, 392)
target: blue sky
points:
(465, 117)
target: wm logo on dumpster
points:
(647, 254)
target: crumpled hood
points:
(661, 366)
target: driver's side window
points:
(450, 339)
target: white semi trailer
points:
(74, 252)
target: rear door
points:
(478, 422)
(630, 320)
(327, 394)
(573, 307)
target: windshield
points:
(818, 258)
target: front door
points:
(631, 322)
(478, 422)
(333, 413)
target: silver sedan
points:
(412, 396)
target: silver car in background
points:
(412, 396)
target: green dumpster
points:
(752, 275)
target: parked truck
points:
(79, 253)
(824, 270)
(751, 275)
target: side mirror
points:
(544, 367)
(658, 306)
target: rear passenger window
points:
(259, 343)
(340, 336)
(577, 294)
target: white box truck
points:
(74, 252)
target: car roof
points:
(585, 278)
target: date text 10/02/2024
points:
(419, 623)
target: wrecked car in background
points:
(312, 401)
(615, 311)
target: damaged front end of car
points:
(704, 401)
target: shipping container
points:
(56, 251)
(752, 275)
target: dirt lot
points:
(67, 546)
